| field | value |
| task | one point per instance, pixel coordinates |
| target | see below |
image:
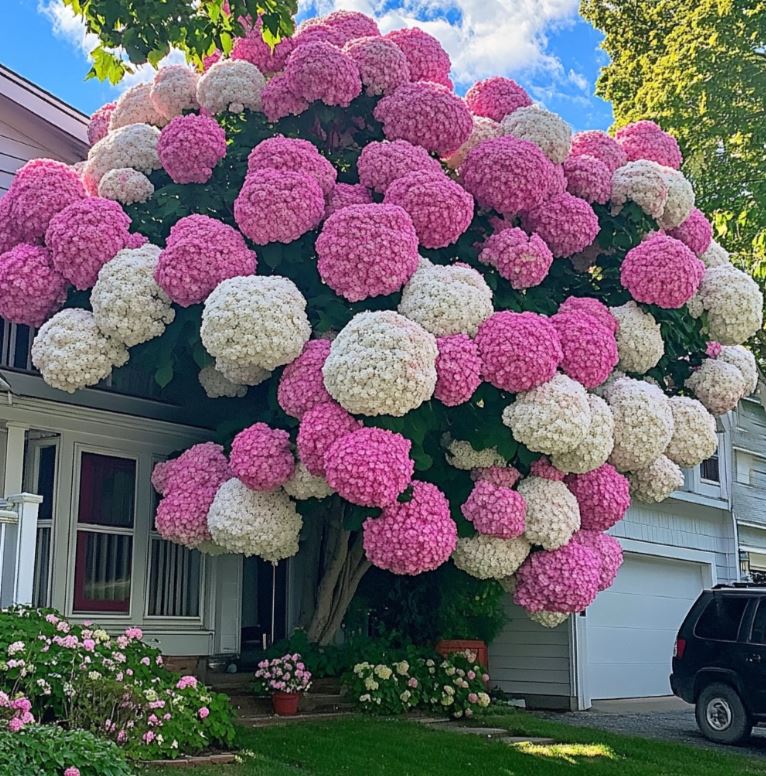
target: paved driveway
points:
(669, 719)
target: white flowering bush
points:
(553, 514)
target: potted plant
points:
(286, 678)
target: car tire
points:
(721, 715)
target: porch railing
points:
(18, 540)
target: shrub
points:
(283, 674)
(48, 750)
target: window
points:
(758, 633)
(720, 620)
(44, 485)
(709, 469)
(105, 523)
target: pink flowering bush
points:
(278, 101)
(608, 550)
(98, 126)
(283, 674)
(293, 155)
(381, 163)
(566, 223)
(496, 98)
(345, 194)
(495, 510)
(190, 147)
(589, 349)
(522, 259)
(426, 58)
(261, 457)
(458, 369)
(301, 386)
(320, 71)
(600, 146)
(320, 426)
(382, 65)
(588, 178)
(603, 496)
(645, 140)
(696, 233)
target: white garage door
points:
(632, 626)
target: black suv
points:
(719, 661)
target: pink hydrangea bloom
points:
(277, 101)
(301, 385)
(592, 307)
(588, 178)
(292, 155)
(367, 250)
(136, 240)
(502, 476)
(427, 59)
(713, 349)
(542, 467)
(608, 550)
(314, 31)
(41, 189)
(566, 223)
(98, 126)
(345, 194)
(519, 351)
(590, 349)
(278, 206)
(321, 71)
(190, 147)
(72, 771)
(31, 288)
(523, 260)
(645, 140)
(189, 484)
(261, 457)
(440, 209)
(203, 712)
(496, 97)
(508, 174)
(382, 64)
(495, 511)
(412, 537)
(255, 50)
(370, 467)
(8, 233)
(381, 163)
(320, 427)
(200, 253)
(186, 681)
(84, 236)
(458, 369)
(596, 143)
(563, 580)
(425, 114)
(695, 233)
(663, 271)
(603, 496)
(348, 24)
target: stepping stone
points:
(430, 720)
(489, 732)
(527, 740)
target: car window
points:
(721, 618)
(758, 634)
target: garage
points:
(631, 627)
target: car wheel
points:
(721, 715)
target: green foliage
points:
(134, 32)
(47, 750)
(699, 70)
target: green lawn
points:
(371, 747)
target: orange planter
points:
(447, 647)
(285, 704)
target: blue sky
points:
(543, 44)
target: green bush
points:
(48, 750)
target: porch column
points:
(26, 505)
(13, 481)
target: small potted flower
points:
(286, 677)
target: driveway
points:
(668, 719)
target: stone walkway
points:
(490, 733)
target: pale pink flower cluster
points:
(292, 155)
(277, 101)
(696, 233)
(496, 97)
(190, 147)
(608, 550)
(317, 70)
(261, 457)
(427, 60)
(566, 223)
(98, 126)
(346, 24)
(601, 146)
(495, 510)
(458, 369)
(381, 163)
(522, 259)
(603, 495)
(588, 178)
(20, 709)
(255, 50)
(645, 140)
(382, 65)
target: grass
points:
(360, 746)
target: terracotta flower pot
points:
(285, 704)
(447, 647)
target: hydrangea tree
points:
(440, 327)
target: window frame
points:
(739, 635)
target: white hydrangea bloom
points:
(695, 306)
(715, 255)
(539, 126)
(597, 446)
(134, 146)
(135, 106)
(174, 90)
(553, 514)
(552, 418)
(211, 548)
(487, 557)
(126, 186)
(217, 385)
(694, 434)
(255, 321)
(548, 619)
(71, 352)
(656, 482)
(718, 385)
(381, 363)
(461, 455)
(733, 302)
(639, 341)
(231, 84)
(127, 302)
(254, 522)
(744, 360)
(680, 199)
(642, 182)
(643, 423)
(446, 299)
(242, 374)
(303, 484)
(484, 128)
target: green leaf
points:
(164, 374)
